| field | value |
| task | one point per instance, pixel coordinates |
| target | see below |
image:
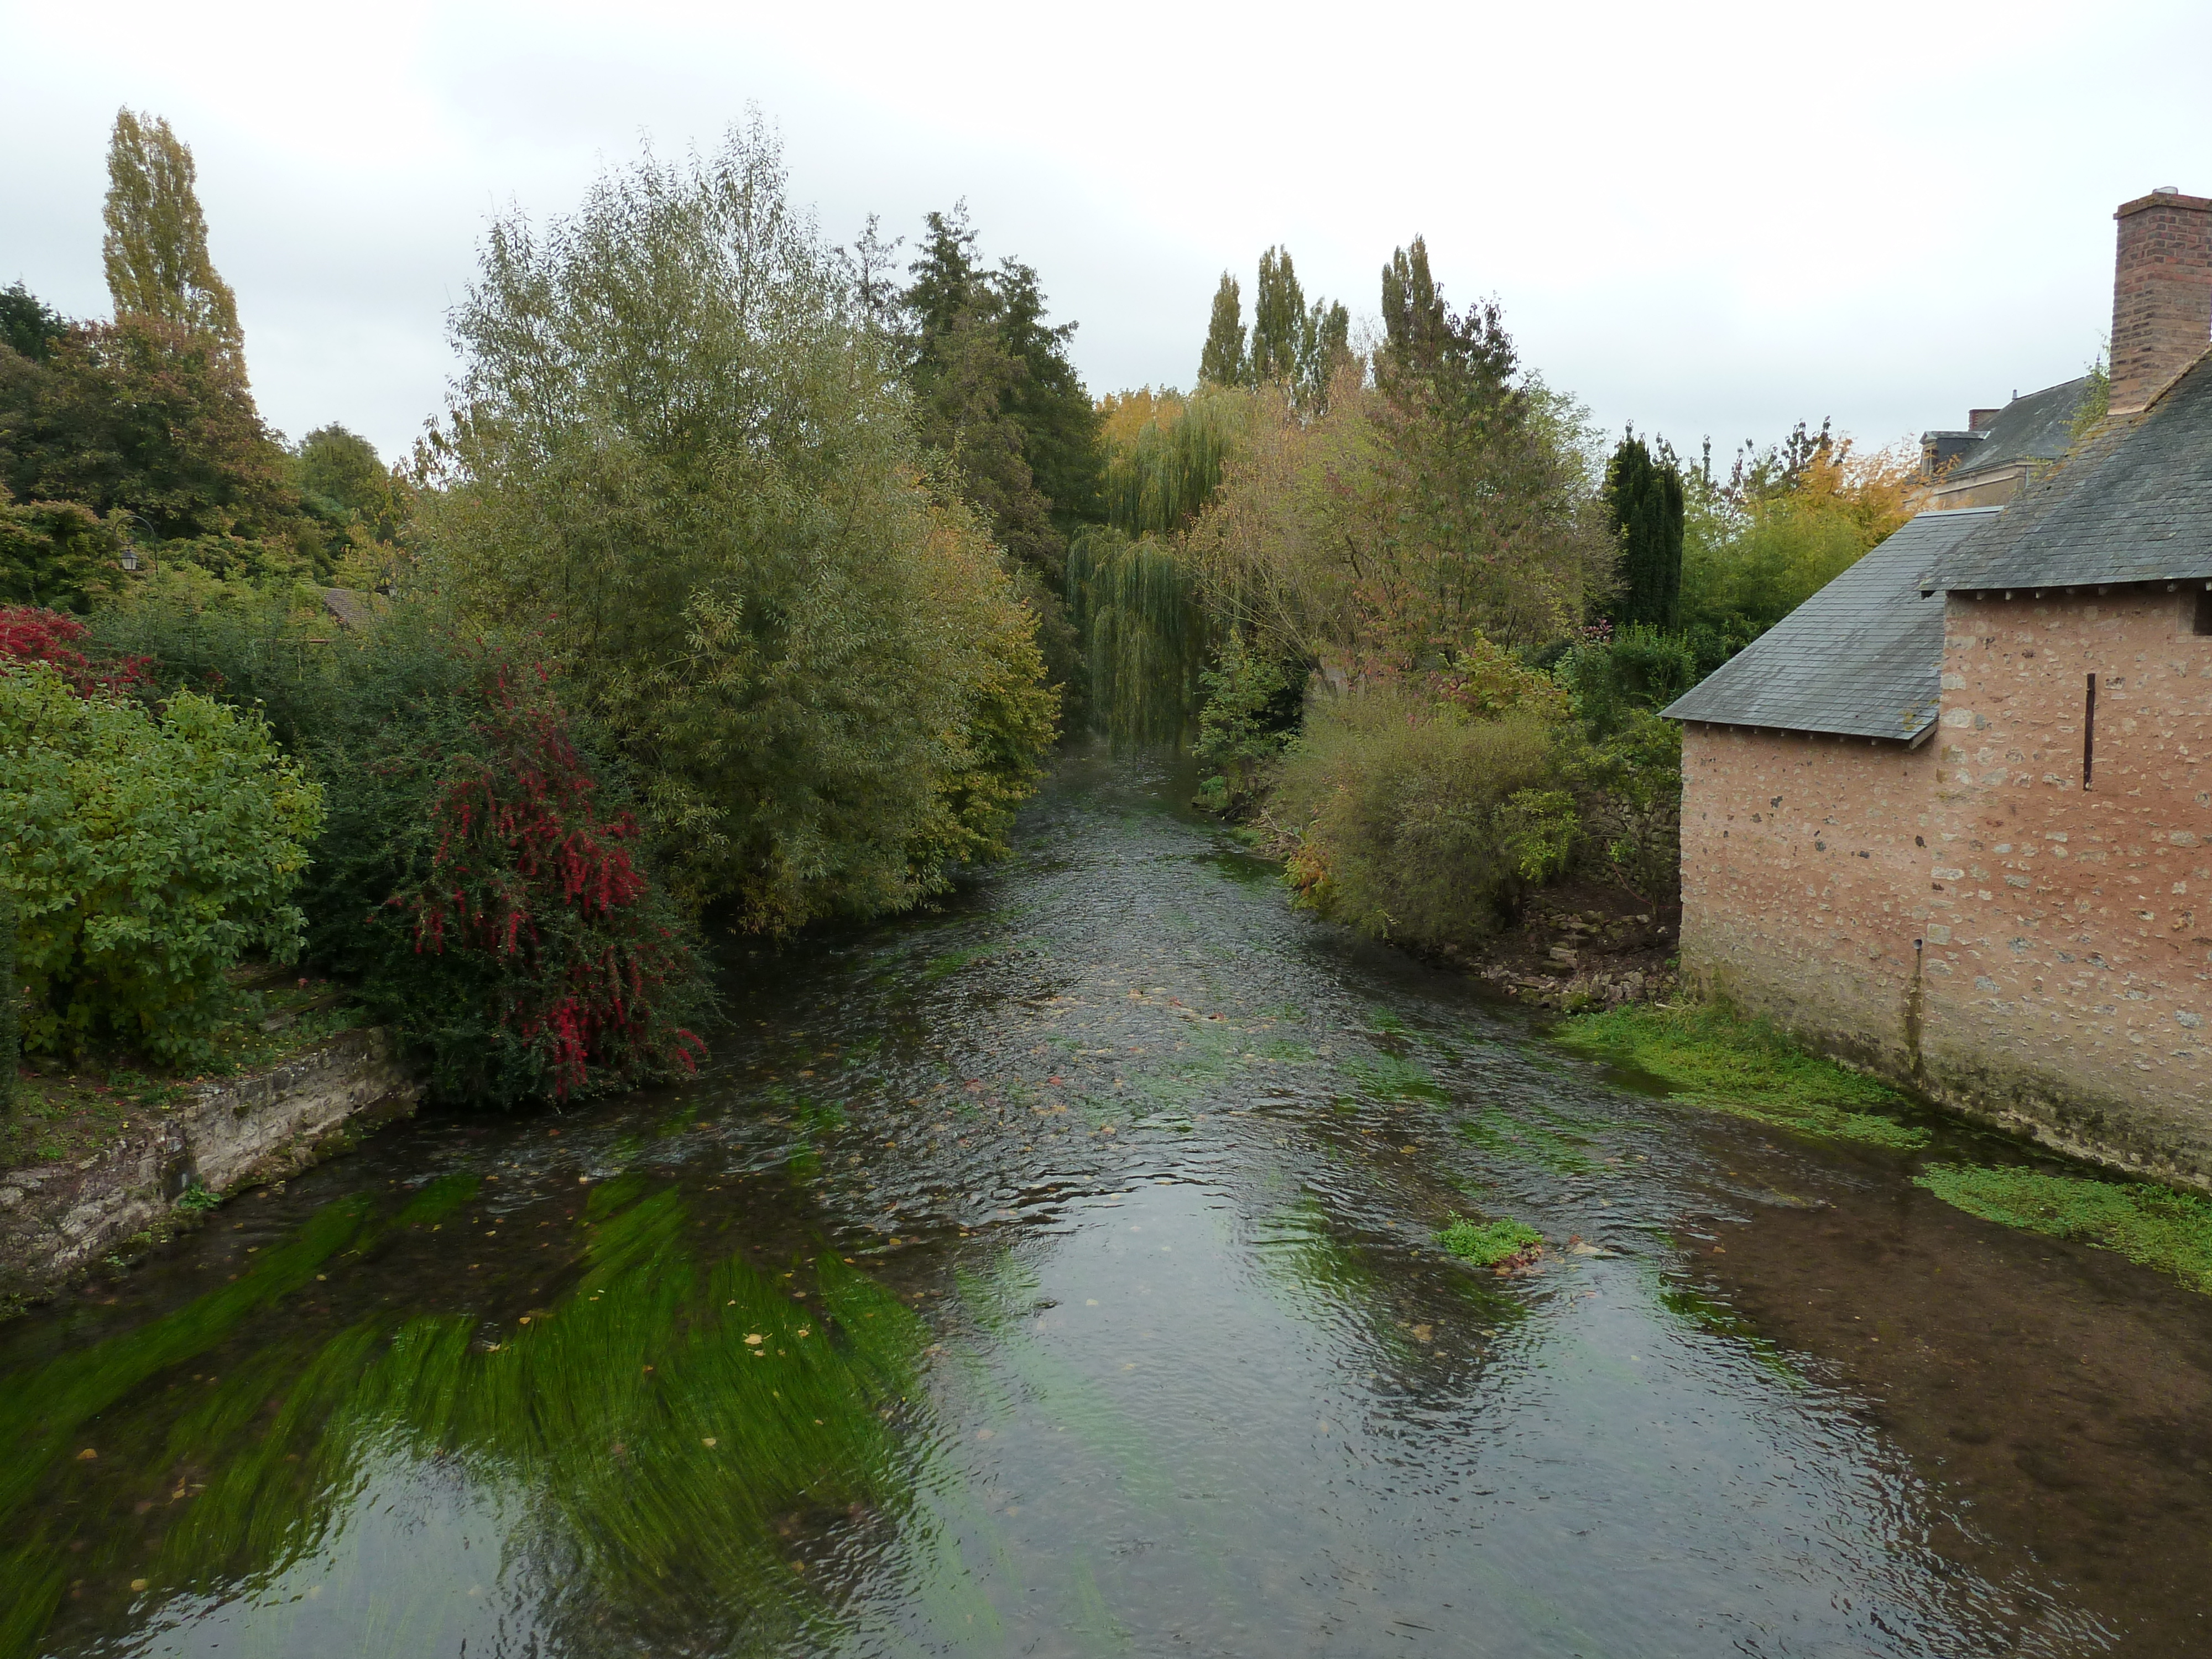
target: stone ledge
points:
(55, 1221)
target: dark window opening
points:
(2202, 620)
(2089, 732)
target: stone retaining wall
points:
(56, 1219)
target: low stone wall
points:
(56, 1219)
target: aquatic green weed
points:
(1718, 1319)
(667, 1420)
(1729, 1063)
(1488, 1243)
(953, 961)
(1517, 1141)
(2155, 1226)
(1386, 1076)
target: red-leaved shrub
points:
(535, 893)
(30, 634)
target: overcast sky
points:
(1705, 219)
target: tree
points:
(1643, 499)
(155, 249)
(1222, 362)
(1278, 314)
(149, 418)
(28, 325)
(681, 454)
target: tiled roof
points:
(1862, 657)
(2036, 428)
(2134, 505)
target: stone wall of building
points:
(2069, 974)
(1800, 857)
(55, 1221)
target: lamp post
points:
(131, 548)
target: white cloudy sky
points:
(1704, 218)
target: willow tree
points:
(155, 249)
(679, 453)
(1143, 633)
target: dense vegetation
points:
(721, 594)
(1412, 627)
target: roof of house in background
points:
(1862, 657)
(2136, 505)
(2036, 428)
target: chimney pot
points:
(2161, 293)
(1978, 419)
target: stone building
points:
(1952, 819)
(2001, 451)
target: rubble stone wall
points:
(1800, 858)
(55, 1221)
(2069, 966)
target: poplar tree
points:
(1644, 498)
(1278, 313)
(155, 249)
(1222, 362)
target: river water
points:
(1057, 1276)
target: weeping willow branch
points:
(1144, 636)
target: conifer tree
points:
(155, 249)
(1644, 498)
(1222, 362)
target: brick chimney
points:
(2162, 293)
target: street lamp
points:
(129, 547)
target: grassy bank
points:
(2155, 1226)
(1729, 1063)
(1732, 1063)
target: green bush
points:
(480, 878)
(146, 853)
(1417, 823)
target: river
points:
(1057, 1274)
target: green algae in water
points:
(1728, 1063)
(2155, 1226)
(1487, 1244)
(1386, 1076)
(664, 1422)
(1718, 1318)
(1519, 1141)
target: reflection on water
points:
(1057, 1276)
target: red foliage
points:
(29, 633)
(529, 875)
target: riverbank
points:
(94, 1170)
(1101, 1207)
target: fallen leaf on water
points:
(708, 1443)
(985, 1434)
(754, 1340)
(87, 1455)
(1424, 1333)
(137, 1583)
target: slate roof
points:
(2134, 505)
(2036, 428)
(1862, 657)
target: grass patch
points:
(1731, 1063)
(2155, 1226)
(1488, 1243)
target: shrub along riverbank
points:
(687, 620)
(1712, 1057)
